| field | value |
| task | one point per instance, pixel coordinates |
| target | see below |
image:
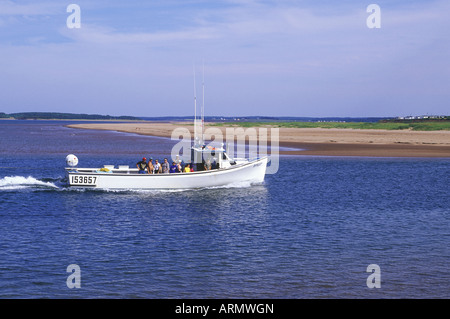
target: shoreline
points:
(319, 141)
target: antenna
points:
(203, 103)
(195, 111)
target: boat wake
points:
(242, 184)
(20, 182)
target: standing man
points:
(142, 166)
(173, 168)
(157, 167)
(165, 166)
(150, 167)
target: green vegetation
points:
(415, 126)
(64, 116)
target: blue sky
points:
(271, 58)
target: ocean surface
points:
(309, 231)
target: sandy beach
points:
(319, 141)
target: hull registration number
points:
(83, 180)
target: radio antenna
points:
(195, 111)
(203, 103)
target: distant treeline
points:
(63, 116)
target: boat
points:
(228, 172)
(225, 171)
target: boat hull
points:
(253, 172)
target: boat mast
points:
(195, 113)
(203, 104)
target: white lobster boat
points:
(229, 172)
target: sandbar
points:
(317, 141)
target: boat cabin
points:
(209, 157)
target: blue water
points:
(309, 231)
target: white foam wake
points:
(242, 184)
(20, 182)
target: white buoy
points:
(71, 160)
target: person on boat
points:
(208, 165)
(173, 168)
(165, 167)
(187, 168)
(142, 166)
(150, 166)
(179, 167)
(157, 167)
